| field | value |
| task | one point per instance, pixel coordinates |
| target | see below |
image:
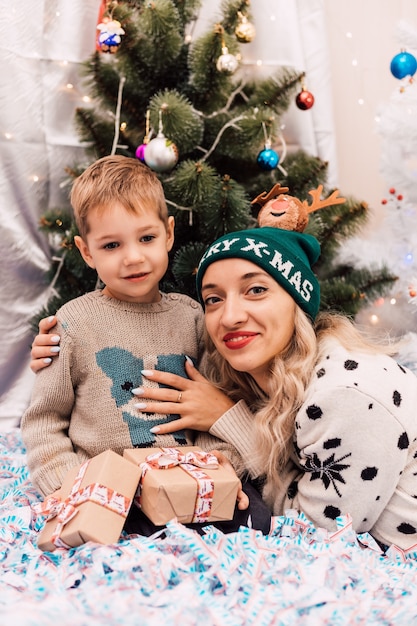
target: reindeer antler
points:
(264, 197)
(320, 204)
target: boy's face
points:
(129, 251)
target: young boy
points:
(82, 404)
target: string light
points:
(355, 61)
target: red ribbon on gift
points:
(191, 462)
(65, 510)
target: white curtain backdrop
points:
(42, 43)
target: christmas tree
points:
(211, 132)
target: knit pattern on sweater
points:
(82, 404)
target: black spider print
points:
(321, 372)
(401, 368)
(350, 365)
(329, 470)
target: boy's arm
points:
(45, 424)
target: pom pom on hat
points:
(287, 256)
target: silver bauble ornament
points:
(227, 63)
(161, 154)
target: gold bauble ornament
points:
(245, 30)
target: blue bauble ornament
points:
(267, 159)
(403, 64)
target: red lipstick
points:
(239, 339)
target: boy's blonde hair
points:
(120, 179)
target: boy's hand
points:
(45, 345)
(241, 498)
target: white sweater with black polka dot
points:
(355, 447)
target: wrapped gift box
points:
(95, 500)
(189, 494)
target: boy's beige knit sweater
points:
(82, 404)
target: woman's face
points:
(249, 316)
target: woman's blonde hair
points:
(291, 372)
(116, 179)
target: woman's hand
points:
(241, 498)
(198, 402)
(45, 345)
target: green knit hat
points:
(286, 255)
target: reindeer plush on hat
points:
(281, 211)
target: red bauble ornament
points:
(304, 100)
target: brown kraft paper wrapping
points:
(93, 521)
(171, 493)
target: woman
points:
(326, 419)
